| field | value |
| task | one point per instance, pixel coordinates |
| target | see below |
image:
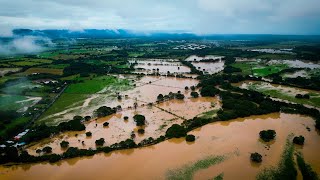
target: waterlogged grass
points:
(75, 94)
(306, 170)
(43, 70)
(186, 172)
(277, 93)
(14, 102)
(219, 177)
(259, 69)
(267, 70)
(286, 167)
(209, 114)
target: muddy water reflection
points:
(239, 137)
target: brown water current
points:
(235, 139)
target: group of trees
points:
(170, 96)
(104, 111)
(43, 131)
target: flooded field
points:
(145, 91)
(283, 92)
(233, 140)
(4, 71)
(207, 57)
(209, 67)
(159, 117)
(296, 63)
(159, 66)
(296, 74)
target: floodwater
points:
(199, 58)
(235, 139)
(160, 66)
(209, 67)
(284, 92)
(146, 91)
(296, 63)
(301, 73)
(4, 71)
(157, 117)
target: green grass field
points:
(75, 94)
(277, 93)
(259, 69)
(43, 70)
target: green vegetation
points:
(100, 142)
(76, 93)
(209, 91)
(89, 134)
(64, 144)
(105, 124)
(194, 94)
(286, 167)
(141, 131)
(188, 171)
(176, 131)
(298, 140)
(259, 69)
(190, 138)
(104, 111)
(306, 170)
(313, 100)
(47, 149)
(267, 135)
(139, 119)
(219, 177)
(256, 157)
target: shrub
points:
(64, 144)
(298, 140)
(105, 124)
(47, 149)
(126, 118)
(87, 118)
(175, 131)
(100, 142)
(141, 131)
(77, 118)
(186, 88)
(318, 124)
(256, 157)
(179, 96)
(192, 88)
(194, 94)
(160, 97)
(267, 135)
(190, 138)
(88, 134)
(139, 119)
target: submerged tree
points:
(139, 119)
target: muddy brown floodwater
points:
(236, 139)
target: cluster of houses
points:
(191, 47)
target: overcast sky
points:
(197, 16)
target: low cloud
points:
(25, 45)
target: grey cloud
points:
(199, 16)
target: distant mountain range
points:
(122, 33)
